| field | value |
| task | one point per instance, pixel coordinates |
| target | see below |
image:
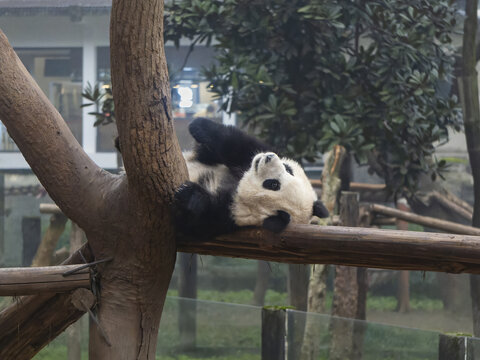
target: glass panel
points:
(228, 331)
(372, 341)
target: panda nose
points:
(268, 158)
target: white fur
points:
(252, 203)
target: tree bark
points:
(317, 286)
(471, 119)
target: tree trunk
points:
(345, 295)
(298, 293)
(317, 290)
(135, 283)
(44, 254)
(317, 286)
(261, 285)
(471, 118)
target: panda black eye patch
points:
(271, 184)
(288, 168)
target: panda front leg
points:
(202, 214)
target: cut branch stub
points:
(36, 280)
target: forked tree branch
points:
(150, 148)
(47, 143)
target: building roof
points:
(17, 4)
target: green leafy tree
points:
(307, 75)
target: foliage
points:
(102, 98)
(310, 74)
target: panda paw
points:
(204, 131)
(190, 198)
(277, 223)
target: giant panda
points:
(237, 181)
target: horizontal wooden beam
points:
(448, 226)
(365, 247)
(36, 280)
(19, 323)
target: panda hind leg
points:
(202, 214)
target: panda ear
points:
(319, 209)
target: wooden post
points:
(31, 233)
(403, 289)
(187, 288)
(455, 347)
(274, 334)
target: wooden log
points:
(354, 186)
(454, 204)
(20, 337)
(36, 280)
(364, 247)
(448, 226)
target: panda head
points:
(275, 187)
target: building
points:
(64, 44)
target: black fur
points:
(277, 223)
(202, 214)
(227, 145)
(199, 212)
